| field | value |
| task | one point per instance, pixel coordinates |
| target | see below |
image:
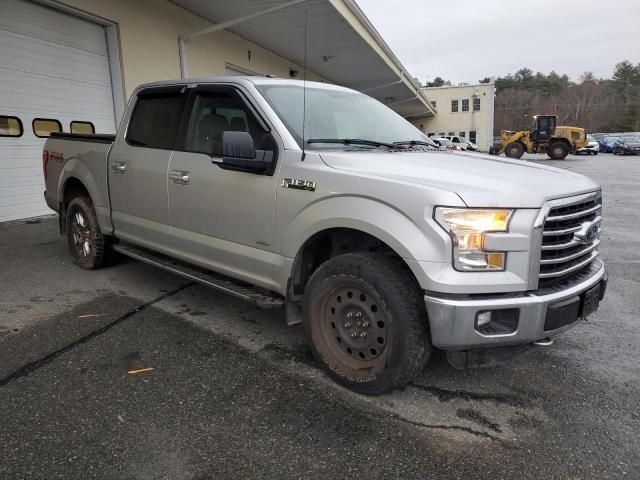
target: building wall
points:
(461, 123)
(148, 32)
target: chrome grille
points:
(562, 254)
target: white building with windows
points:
(466, 111)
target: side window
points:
(476, 104)
(454, 105)
(86, 128)
(10, 126)
(44, 127)
(465, 104)
(155, 120)
(218, 111)
(472, 136)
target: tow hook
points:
(544, 342)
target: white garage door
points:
(52, 66)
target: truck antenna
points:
(304, 85)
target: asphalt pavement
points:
(221, 389)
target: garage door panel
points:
(52, 65)
(28, 54)
(25, 18)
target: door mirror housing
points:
(239, 153)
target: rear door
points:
(223, 220)
(139, 165)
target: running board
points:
(213, 280)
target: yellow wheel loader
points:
(545, 137)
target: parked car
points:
(381, 246)
(627, 145)
(607, 143)
(592, 148)
(446, 143)
(460, 142)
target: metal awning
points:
(341, 45)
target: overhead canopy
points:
(341, 44)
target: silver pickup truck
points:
(320, 200)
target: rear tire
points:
(89, 248)
(366, 322)
(558, 150)
(514, 150)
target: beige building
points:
(72, 64)
(465, 111)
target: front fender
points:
(415, 241)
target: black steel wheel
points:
(365, 321)
(558, 150)
(514, 150)
(89, 248)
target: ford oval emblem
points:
(588, 233)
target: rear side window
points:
(44, 127)
(86, 128)
(10, 126)
(156, 119)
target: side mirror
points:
(239, 153)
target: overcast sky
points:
(466, 40)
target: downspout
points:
(183, 39)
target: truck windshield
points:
(340, 115)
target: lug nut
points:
(349, 316)
(365, 324)
(347, 324)
(363, 335)
(354, 334)
(358, 314)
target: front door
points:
(223, 220)
(138, 166)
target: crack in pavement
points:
(461, 428)
(37, 364)
(445, 395)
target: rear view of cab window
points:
(85, 128)
(44, 127)
(10, 126)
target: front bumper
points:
(453, 321)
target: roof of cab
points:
(255, 80)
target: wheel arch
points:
(77, 178)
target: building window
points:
(454, 105)
(430, 134)
(465, 104)
(10, 126)
(85, 128)
(462, 134)
(441, 134)
(433, 103)
(452, 134)
(472, 136)
(476, 104)
(156, 119)
(44, 127)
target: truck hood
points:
(480, 180)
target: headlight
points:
(467, 227)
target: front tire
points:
(558, 151)
(514, 150)
(89, 248)
(366, 322)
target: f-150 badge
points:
(307, 185)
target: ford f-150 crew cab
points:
(322, 201)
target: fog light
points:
(484, 318)
(497, 322)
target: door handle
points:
(181, 178)
(119, 167)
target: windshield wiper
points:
(415, 142)
(353, 141)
